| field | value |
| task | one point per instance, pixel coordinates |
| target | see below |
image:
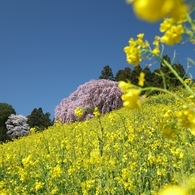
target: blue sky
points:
(48, 48)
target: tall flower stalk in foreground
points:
(177, 22)
(79, 112)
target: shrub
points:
(103, 94)
(17, 126)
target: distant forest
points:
(161, 77)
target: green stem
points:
(191, 22)
(101, 140)
(179, 78)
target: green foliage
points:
(3, 136)
(148, 76)
(107, 73)
(5, 111)
(163, 77)
(123, 75)
(157, 80)
(38, 119)
(181, 72)
(135, 74)
(160, 99)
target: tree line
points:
(161, 77)
(10, 120)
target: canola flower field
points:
(122, 152)
(135, 152)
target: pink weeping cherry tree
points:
(103, 94)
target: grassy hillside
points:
(123, 152)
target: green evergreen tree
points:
(163, 66)
(107, 73)
(38, 119)
(163, 77)
(135, 74)
(165, 72)
(148, 76)
(157, 80)
(5, 111)
(123, 75)
(181, 72)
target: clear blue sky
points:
(48, 48)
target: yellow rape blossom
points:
(78, 112)
(86, 186)
(27, 161)
(141, 79)
(188, 81)
(174, 35)
(132, 55)
(32, 130)
(140, 36)
(131, 99)
(96, 112)
(124, 86)
(173, 190)
(140, 43)
(166, 24)
(153, 10)
(131, 95)
(156, 49)
(169, 129)
(133, 50)
(125, 173)
(187, 119)
(57, 172)
(173, 31)
(38, 186)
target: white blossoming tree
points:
(17, 126)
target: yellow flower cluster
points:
(169, 127)
(173, 31)
(134, 158)
(187, 119)
(57, 172)
(174, 12)
(133, 51)
(32, 130)
(141, 79)
(156, 49)
(173, 190)
(79, 112)
(131, 95)
(38, 186)
(188, 81)
(175, 121)
(96, 112)
(153, 10)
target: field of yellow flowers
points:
(122, 152)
